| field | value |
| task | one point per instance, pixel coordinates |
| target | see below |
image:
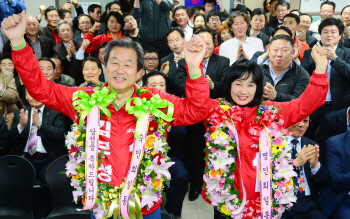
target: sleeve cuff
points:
(20, 46)
(19, 130)
(195, 76)
(314, 171)
(80, 54)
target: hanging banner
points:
(191, 3)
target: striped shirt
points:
(36, 48)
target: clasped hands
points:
(309, 153)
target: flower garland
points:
(222, 154)
(152, 173)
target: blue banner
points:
(191, 3)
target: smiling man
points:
(124, 61)
(303, 29)
(327, 11)
(181, 19)
(52, 18)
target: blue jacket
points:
(338, 164)
(6, 9)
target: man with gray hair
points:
(67, 49)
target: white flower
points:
(222, 160)
(148, 196)
(158, 146)
(161, 169)
(220, 140)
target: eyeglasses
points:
(82, 23)
(150, 59)
(214, 19)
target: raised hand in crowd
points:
(330, 52)
(305, 154)
(302, 36)
(240, 53)
(297, 50)
(42, 9)
(85, 44)
(314, 159)
(318, 54)
(219, 2)
(194, 53)
(176, 2)
(95, 28)
(210, 82)
(75, 3)
(14, 27)
(165, 68)
(269, 91)
(23, 115)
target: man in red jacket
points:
(124, 62)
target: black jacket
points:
(217, 70)
(172, 72)
(3, 132)
(333, 123)
(264, 38)
(267, 30)
(292, 84)
(274, 24)
(44, 31)
(51, 133)
(310, 40)
(68, 66)
(340, 76)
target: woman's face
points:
(199, 21)
(267, 5)
(7, 65)
(243, 91)
(273, 5)
(113, 25)
(225, 35)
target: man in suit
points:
(66, 51)
(311, 173)
(335, 198)
(214, 68)
(333, 123)
(176, 40)
(282, 8)
(37, 133)
(338, 96)
(304, 26)
(85, 23)
(181, 18)
(50, 31)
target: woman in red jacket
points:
(243, 87)
(115, 25)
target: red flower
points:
(152, 127)
(72, 150)
(159, 158)
(83, 200)
(146, 95)
(300, 189)
(301, 179)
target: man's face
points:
(68, 17)
(52, 19)
(151, 61)
(48, 70)
(121, 69)
(210, 44)
(346, 16)
(291, 24)
(239, 27)
(305, 22)
(281, 11)
(130, 23)
(91, 71)
(67, 6)
(326, 11)
(65, 33)
(258, 22)
(116, 8)
(101, 55)
(113, 25)
(213, 23)
(157, 81)
(32, 102)
(300, 128)
(84, 24)
(32, 26)
(58, 70)
(96, 15)
(208, 7)
(176, 42)
(330, 35)
(280, 54)
(181, 18)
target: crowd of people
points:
(269, 54)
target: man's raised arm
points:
(52, 95)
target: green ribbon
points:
(101, 98)
(142, 106)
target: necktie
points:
(205, 66)
(299, 180)
(33, 139)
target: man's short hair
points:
(181, 7)
(102, 45)
(306, 14)
(295, 10)
(49, 60)
(283, 37)
(282, 28)
(172, 29)
(50, 8)
(117, 16)
(151, 50)
(152, 74)
(62, 13)
(212, 13)
(109, 5)
(341, 13)
(92, 7)
(283, 3)
(328, 3)
(82, 15)
(63, 22)
(192, 11)
(332, 21)
(125, 14)
(296, 17)
(258, 11)
(128, 43)
(209, 1)
(92, 59)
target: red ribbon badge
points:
(217, 115)
(253, 209)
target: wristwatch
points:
(333, 60)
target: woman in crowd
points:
(272, 15)
(199, 19)
(115, 25)
(225, 35)
(8, 90)
(267, 6)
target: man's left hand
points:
(269, 92)
(210, 82)
(314, 160)
(330, 52)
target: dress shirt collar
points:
(252, 34)
(290, 138)
(237, 42)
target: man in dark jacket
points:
(284, 80)
(50, 31)
(3, 132)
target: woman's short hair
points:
(243, 69)
(117, 16)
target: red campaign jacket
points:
(98, 40)
(293, 112)
(118, 134)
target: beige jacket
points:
(8, 83)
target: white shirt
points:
(175, 56)
(188, 31)
(39, 145)
(251, 45)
